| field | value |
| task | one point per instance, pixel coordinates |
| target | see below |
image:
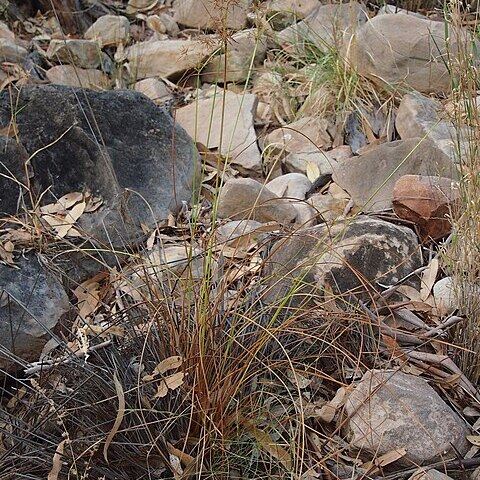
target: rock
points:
(291, 185)
(244, 47)
(11, 52)
(326, 26)
(240, 233)
(294, 187)
(325, 161)
(13, 159)
(80, 53)
(444, 296)
(209, 16)
(154, 89)
(6, 33)
(390, 410)
(370, 177)
(345, 258)
(289, 11)
(129, 168)
(164, 24)
(426, 201)
(109, 30)
(476, 474)
(78, 77)
(308, 134)
(245, 198)
(204, 121)
(420, 116)
(164, 58)
(429, 474)
(403, 49)
(329, 206)
(32, 301)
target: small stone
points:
(390, 410)
(239, 233)
(476, 474)
(78, 77)
(11, 52)
(290, 10)
(444, 295)
(232, 134)
(245, 198)
(243, 46)
(426, 201)
(370, 178)
(154, 89)
(207, 14)
(162, 24)
(80, 53)
(291, 185)
(109, 30)
(327, 208)
(164, 58)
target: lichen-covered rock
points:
(390, 410)
(349, 257)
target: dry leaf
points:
(57, 461)
(327, 412)
(119, 417)
(70, 199)
(384, 460)
(176, 466)
(474, 440)
(169, 363)
(169, 383)
(428, 279)
(299, 380)
(266, 442)
(313, 172)
(185, 458)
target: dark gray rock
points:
(349, 257)
(117, 144)
(32, 300)
(12, 176)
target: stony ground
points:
(224, 244)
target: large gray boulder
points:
(348, 257)
(404, 49)
(32, 300)
(370, 178)
(390, 410)
(117, 144)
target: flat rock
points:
(154, 89)
(246, 51)
(11, 52)
(420, 116)
(32, 300)
(71, 76)
(426, 201)
(403, 49)
(327, 25)
(370, 177)
(109, 30)
(325, 161)
(209, 16)
(290, 10)
(164, 58)
(80, 53)
(233, 134)
(131, 169)
(390, 410)
(345, 258)
(245, 198)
